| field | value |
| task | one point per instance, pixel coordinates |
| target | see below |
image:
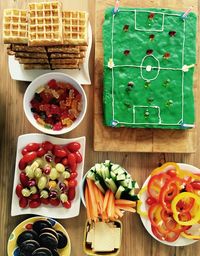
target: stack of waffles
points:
(45, 37)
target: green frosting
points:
(144, 82)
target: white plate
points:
(17, 71)
(181, 241)
(58, 212)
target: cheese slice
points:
(117, 237)
(90, 236)
(103, 238)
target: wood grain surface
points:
(136, 241)
(137, 140)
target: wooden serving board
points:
(138, 140)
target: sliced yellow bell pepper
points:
(196, 215)
(165, 167)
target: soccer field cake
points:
(149, 59)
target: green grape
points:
(38, 172)
(53, 174)
(29, 172)
(63, 197)
(42, 182)
(26, 192)
(33, 190)
(44, 194)
(34, 165)
(60, 167)
(65, 175)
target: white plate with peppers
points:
(169, 204)
(48, 173)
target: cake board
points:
(129, 139)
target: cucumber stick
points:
(112, 176)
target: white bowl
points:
(42, 80)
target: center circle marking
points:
(148, 68)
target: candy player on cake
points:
(149, 59)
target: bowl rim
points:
(63, 77)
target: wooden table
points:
(136, 241)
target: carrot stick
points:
(100, 203)
(118, 212)
(104, 216)
(93, 200)
(125, 202)
(105, 202)
(126, 208)
(87, 204)
(110, 205)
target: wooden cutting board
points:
(138, 140)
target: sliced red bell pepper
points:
(155, 184)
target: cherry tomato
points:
(29, 157)
(72, 183)
(65, 161)
(32, 147)
(57, 160)
(71, 193)
(23, 179)
(34, 196)
(24, 151)
(45, 200)
(73, 175)
(60, 153)
(67, 204)
(35, 203)
(18, 190)
(73, 146)
(78, 157)
(150, 200)
(22, 164)
(72, 162)
(54, 202)
(41, 152)
(47, 146)
(23, 202)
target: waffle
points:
(26, 48)
(64, 49)
(64, 66)
(65, 55)
(45, 24)
(15, 28)
(31, 55)
(75, 27)
(45, 37)
(36, 66)
(32, 61)
(65, 61)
